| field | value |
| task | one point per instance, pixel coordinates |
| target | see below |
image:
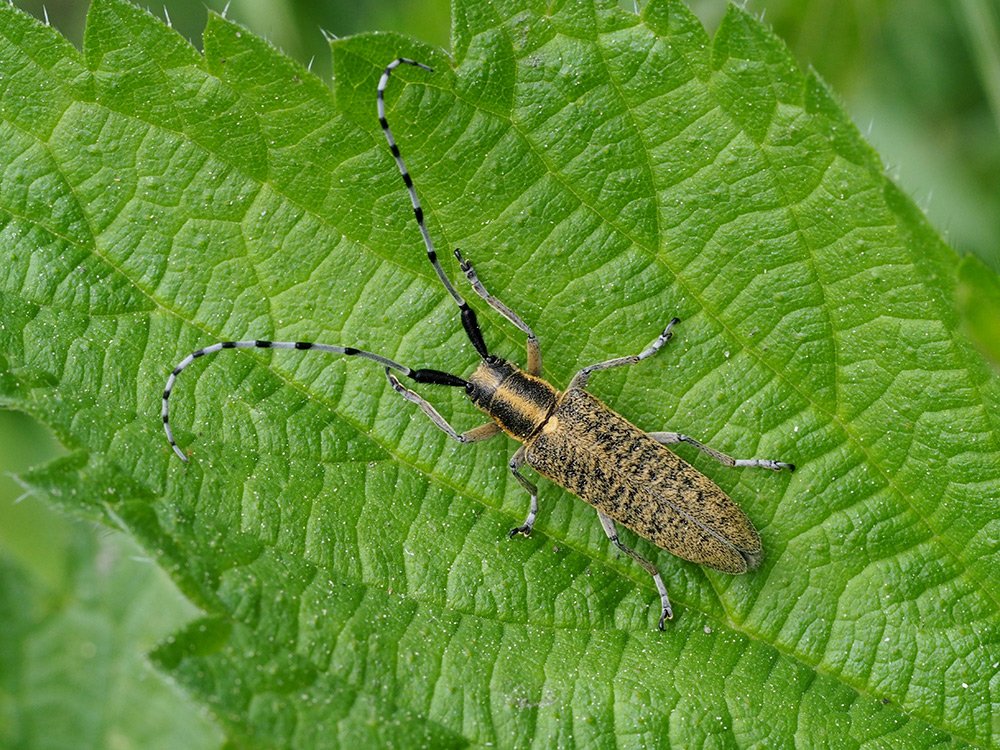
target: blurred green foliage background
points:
(921, 78)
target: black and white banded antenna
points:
(468, 314)
(434, 377)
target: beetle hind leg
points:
(666, 612)
(516, 462)
(672, 438)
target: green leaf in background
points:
(72, 667)
(979, 303)
(605, 171)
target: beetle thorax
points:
(520, 403)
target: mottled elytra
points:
(570, 437)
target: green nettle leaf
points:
(605, 171)
(72, 669)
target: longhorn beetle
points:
(570, 437)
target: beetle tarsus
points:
(667, 614)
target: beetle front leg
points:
(666, 612)
(516, 462)
(476, 434)
(672, 438)
(534, 366)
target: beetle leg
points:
(516, 462)
(666, 612)
(483, 432)
(672, 438)
(534, 351)
(581, 378)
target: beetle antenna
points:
(469, 321)
(435, 377)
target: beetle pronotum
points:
(570, 437)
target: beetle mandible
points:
(569, 437)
